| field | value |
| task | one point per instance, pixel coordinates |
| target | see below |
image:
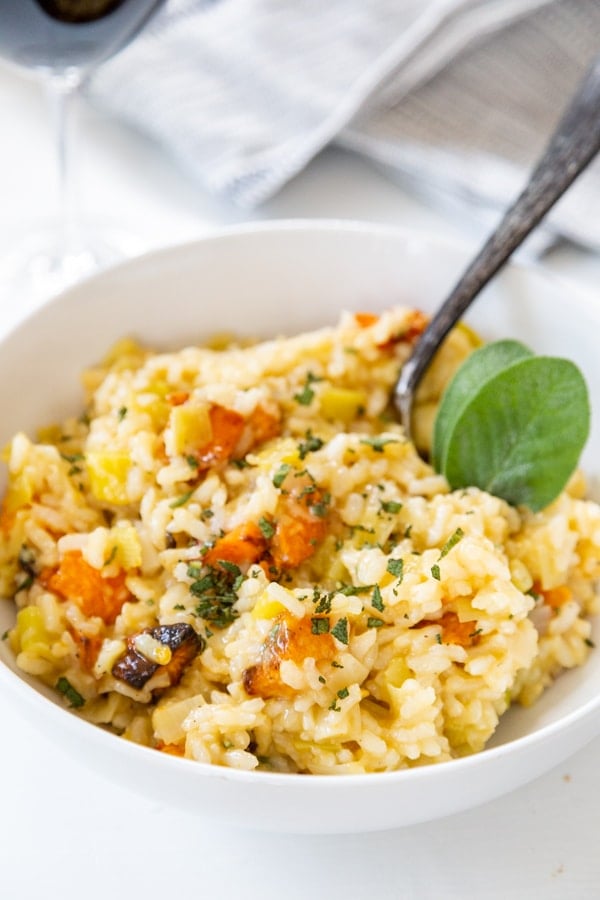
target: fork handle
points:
(572, 146)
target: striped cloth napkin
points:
(454, 97)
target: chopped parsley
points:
(378, 442)
(340, 631)
(25, 584)
(267, 528)
(391, 506)
(451, 542)
(306, 395)
(319, 625)
(343, 693)
(281, 474)
(320, 508)
(309, 445)
(353, 590)
(64, 686)
(215, 588)
(322, 601)
(192, 462)
(111, 556)
(121, 413)
(26, 561)
(377, 599)
(374, 622)
(181, 501)
(73, 457)
(396, 567)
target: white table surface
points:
(67, 833)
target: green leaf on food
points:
(512, 424)
(477, 369)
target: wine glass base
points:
(36, 268)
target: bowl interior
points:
(280, 280)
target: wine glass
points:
(63, 41)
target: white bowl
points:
(282, 278)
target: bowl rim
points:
(91, 732)
(329, 225)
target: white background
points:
(65, 832)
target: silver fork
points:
(572, 146)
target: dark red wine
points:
(61, 34)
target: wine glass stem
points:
(62, 89)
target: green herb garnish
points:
(377, 599)
(391, 506)
(26, 561)
(378, 442)
(512, 424)
(267, 528)
(340, 631)
(451, 542)
(180, 501)
(353, 590)
(306, 395)
(112, 555)
(320, 509)
(68, 691)
(215, 588)
(281, 474)
(319, 625)
(322, 601)
(311, 444)
(396, 567)
(73, 457)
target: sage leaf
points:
(477, 369)
(521, 432)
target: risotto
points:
(235, 555)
